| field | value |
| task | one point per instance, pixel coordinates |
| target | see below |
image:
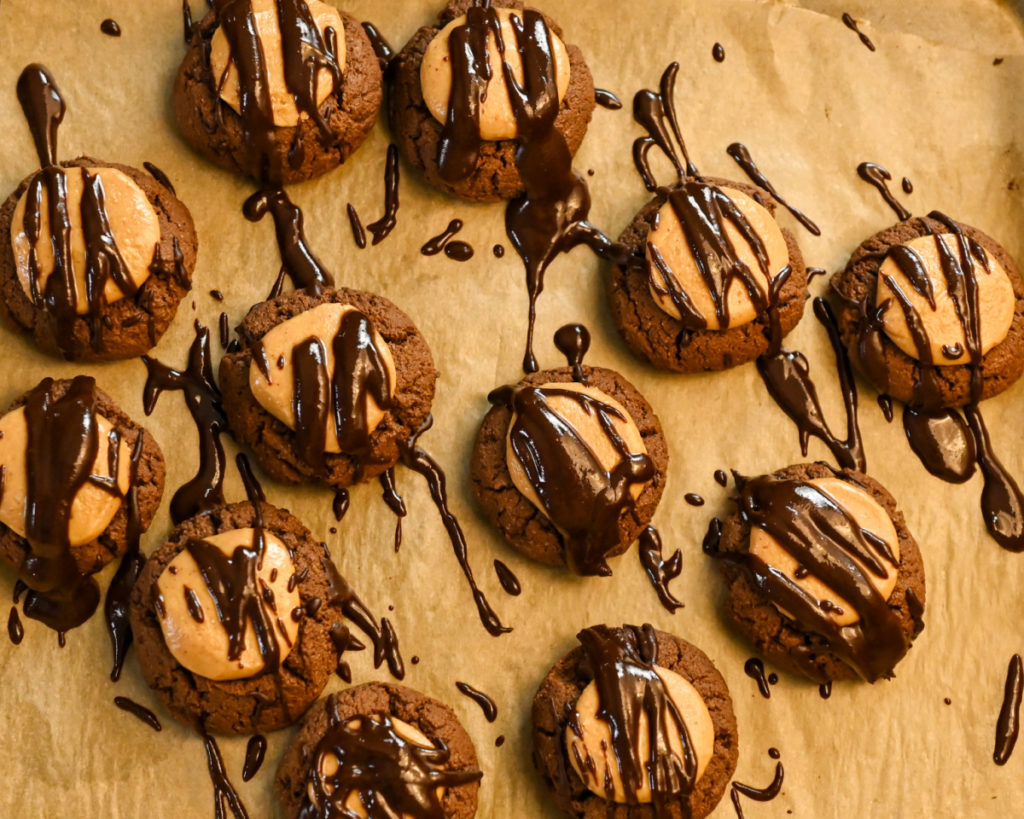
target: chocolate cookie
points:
(112, 316)
(968, 347)
(324, 88)
(632, 675)
(80, 482)
(473, 155)
(385, 749)
(823, 576)
(397, 396)
(690, 339)
(267, 653)
(585, 508)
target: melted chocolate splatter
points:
(721, 478)
(391, 649)
(942, 440)
(660, 571)
(381, 47)
(486, 704)
(392, 776)
(186, 13)
(202, 397)
(1002, 503)
(110, 28)
(606, 99)
(693, 499)
(741, 154)
(825, 690)
(573, 341)
(300, 263)
(509, 582)
(15, 630)
(436, 244)
(885, 405)
(499, 251)
(224, 793)
(139, 711)
(255, 750)
(908, 186)
(340, 504)
(159, 175)
(419, 460)
(766, 794)
(1008, 725)
(381, 229)
(851, 24)
(878, 176)
(458, 251)
(754, 669)
(358, 233)
(394, 502)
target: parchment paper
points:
(811, 102)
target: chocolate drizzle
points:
(15, 630)
(305, 53)
(110, 28)
(851, 24)
(419, 460)
(583, 500)
(622, 663)
(509, 582)
(394, 502)
(140, 712)
(62, 444)
(766, 794)
(189, 26)
(754, 669)
(486, 704)
(718, 52)
(436, 244)
(825, 539)
(202, 397)
(224, 793)
(358, 233)
(300, 263)
(741, 154)
(660, 571)
(878, 176)
(551, 216)
(381, 229)
(255, 750)
(606, 99)
(942, 440)
(786, 375)
(44, 110)
(115, 605)
(1008, 726)
(392, 776)
(158, 175)
(381, 47)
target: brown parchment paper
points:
(811, 102)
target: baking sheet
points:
(811, 102)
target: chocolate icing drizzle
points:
(62, 443)
(299, 262)
(509, 582)
(948, 445)
(551, 216)
(741, 154)
(878, 176)
(419, 460)
(202, 397)
(825, 539)
(115, 604)
(393, 777)
(606, 99)
(660, 571)
(15, 629)
(851, 24)
(439, 243)
(394, 502)
(110, 28)
(358, 232)
(138, 711)
(621, 663)
(189, 26)
(225, 797)
(1008, 726)
(381, 229)
(754, 669)
(44, 109)
(583, 500)
(305, 53)
(381, 47)
(487, 705)
(159, 175)
(255, 750)
(718, 52)
(766, 794)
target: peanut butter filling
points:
(191, 623)
(588, 738)
(276, 394)
(95, 505)
(328, 766)
(588, 426)
(869, 515)
(946, 336)
(285, 112)
(497, 120)
(670, 241)
(133, 223)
